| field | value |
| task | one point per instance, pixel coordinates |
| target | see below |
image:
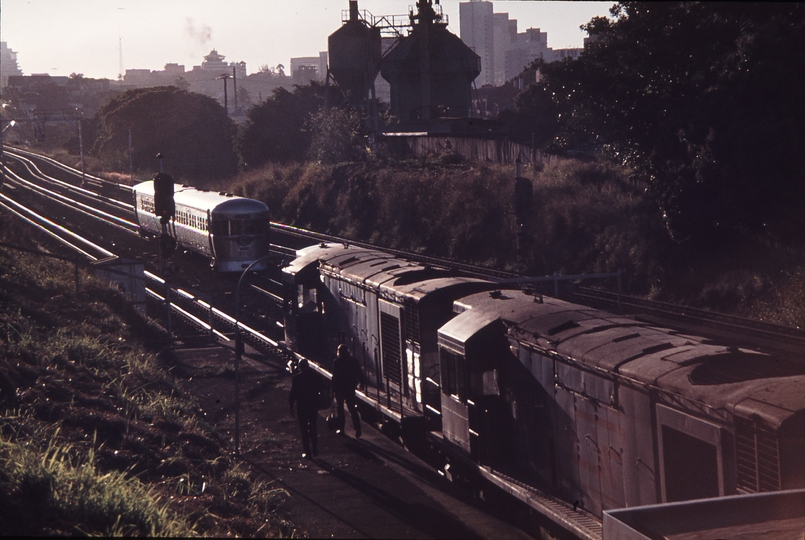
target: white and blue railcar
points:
(232, 231)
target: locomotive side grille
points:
(412, 323)
(390, 341)
(758, 458)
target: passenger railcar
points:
(598, 409)
(232, 231)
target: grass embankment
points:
(585, 218)
(96, 437)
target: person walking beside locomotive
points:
(347, 374)
(305, 388)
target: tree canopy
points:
(278, 129)
(192, 131)
(702, 100)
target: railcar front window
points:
(238, 227)
(255, 226)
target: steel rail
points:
(90, 211)
(34, 170)
(51, 161)
(48, 225)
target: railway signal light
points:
(164, 206)
(167, 245)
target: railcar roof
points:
(391, 275)
(735, 379)
(223, 205)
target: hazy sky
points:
(61, 37)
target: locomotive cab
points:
(477, 410)
(304, 308)
(239, 233)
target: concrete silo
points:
(354, 51)
(430, 71)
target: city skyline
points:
(258, 32)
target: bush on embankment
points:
(585, 217)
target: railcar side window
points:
(453, 380)
(307, 300)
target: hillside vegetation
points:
(586, 217)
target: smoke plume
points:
(201, 35)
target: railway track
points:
(741, 331)
(216, 322)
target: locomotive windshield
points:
(238, 227)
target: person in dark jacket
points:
(347, 374)
(305, 388)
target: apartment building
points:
(504, 51)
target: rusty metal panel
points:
(585, 383)
(543, 371)
(610, 441)
(569, 376)
(646, 445)
(589, 455)
(567, 447)
(639, 470)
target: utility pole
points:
(225, 76)
(235, 87)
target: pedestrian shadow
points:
(379, 453)
(362, 449)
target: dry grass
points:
(96, 437)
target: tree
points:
(192, 131)
(336, 136)
(698, 98)
(278, 129)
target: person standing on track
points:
(347, 374)
(305, 388)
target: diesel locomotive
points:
(599, 410)
(232, 231)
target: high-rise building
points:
(477, 30)
(8, 64)
(504, 52)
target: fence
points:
(501, 151)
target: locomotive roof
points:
(748, 382)
(226, 206)
(390, 275)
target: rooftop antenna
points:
(120, 45)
